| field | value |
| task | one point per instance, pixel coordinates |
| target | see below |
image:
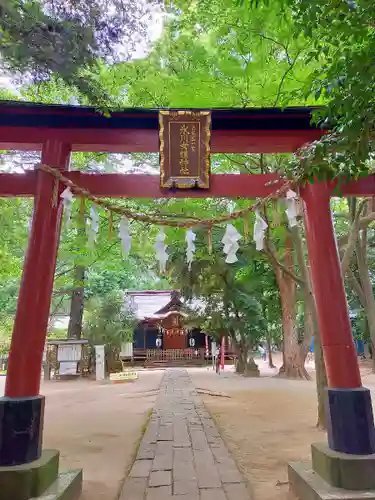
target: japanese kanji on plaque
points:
(185, 149)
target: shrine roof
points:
(175, 305)
(146, 303)
(29, 114)
(156, 304)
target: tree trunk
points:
(240, 360)
(321, 381)
(312, 330)
(362, 287)
(294, 353)
(281, 370)
(269, 352)
(367, 295)
(245, 364)
(369, 300)
(77, 304)
(240, 364)
(370, 313)
(251, 368)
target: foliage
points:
(71, 41)
(342, 35)
(269, 298)
(4, 347)
(14, 222)
(214, 55)
(356, 244)
(230, 294)
(108, 322)
(106, 269)
(341, 46)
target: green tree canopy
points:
(108, 322)
(72, 40)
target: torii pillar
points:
(348, 462)
(26, 472)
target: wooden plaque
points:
(185, 149)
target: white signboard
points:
(70, 352)
(127, 350)
(68, 368)
(213, 353)
(100, 362)
(123, 376)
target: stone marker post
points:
(100, 362)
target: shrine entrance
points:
(56, 131)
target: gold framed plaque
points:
(185, 149)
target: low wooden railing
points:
(174, 354)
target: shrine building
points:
(164, 330)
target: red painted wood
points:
(146, 186)
(147, 140)
(174, 341)
(30, 324)
(333, 318)
(364, 186)
(18, 184)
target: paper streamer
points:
(260, 227)
(67, 197)
(291, 207)
(161, 250)
(93, 224)
(190, 246)
(125, 236)
(230, 242)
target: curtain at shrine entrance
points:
(174, 341)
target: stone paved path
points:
(181, 455)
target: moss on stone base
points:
(21, 482)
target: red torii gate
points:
(56, 131)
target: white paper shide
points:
(260, 226)
(67, 197)
(125, 236)
(161, 250)
(190, 247)
(93, 224)
(291, 207)
(230, 242)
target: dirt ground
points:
(97, 428)
(266, 423)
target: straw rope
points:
(166, 220)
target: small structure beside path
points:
(181, 455)
(66, 358)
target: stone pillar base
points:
(333, 475)
(21, 430)
(40, 479)
(350, 421)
